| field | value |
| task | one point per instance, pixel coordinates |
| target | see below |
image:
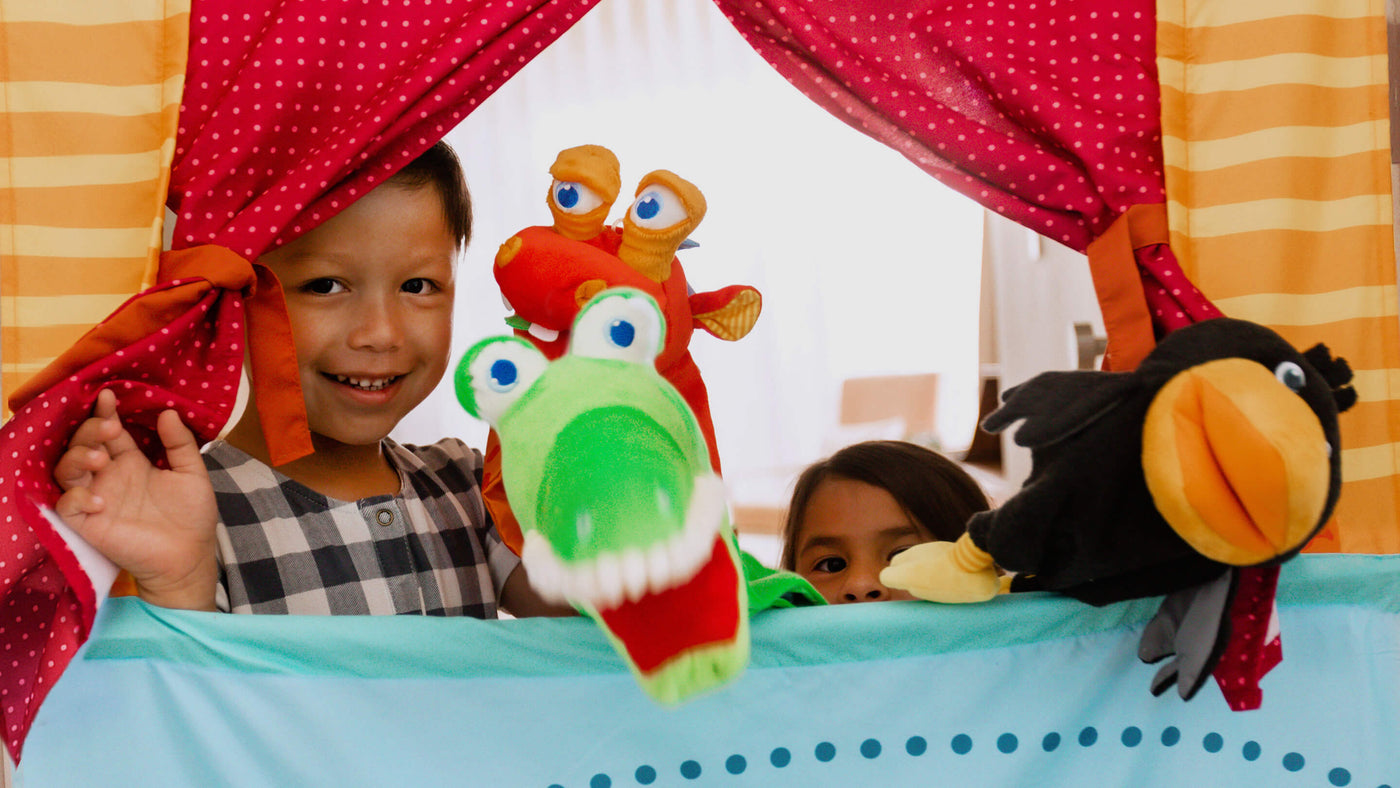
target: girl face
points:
(848, 533)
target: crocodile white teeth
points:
(606, 580)
(367, 384)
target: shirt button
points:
(385, 517)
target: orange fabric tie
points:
(271, 350)
(1118, 285)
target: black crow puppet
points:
(1193, 476)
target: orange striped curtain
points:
(89, 97)
(1276, 139)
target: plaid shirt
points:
(431, 549)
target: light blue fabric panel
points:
(1029, 690)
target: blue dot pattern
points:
(962, 743)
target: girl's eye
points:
(830, 564)
(323, 286)
(897, 551)
(419, 286)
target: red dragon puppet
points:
(547, 274)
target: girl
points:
(854, 511)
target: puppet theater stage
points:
(1233, 131)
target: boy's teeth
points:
(368, 384)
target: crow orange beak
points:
(1236, 462)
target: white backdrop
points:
(866, 264)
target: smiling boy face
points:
(369, 297)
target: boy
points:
(362, 525)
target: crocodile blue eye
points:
(504, 374)
(1291, 375)
(495, 373)
(619, 325)
(622, 333)
(573, 198)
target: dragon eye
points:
(572, 197)
(1291, 375)
(619, 324)
(657, 208)
(495, 373)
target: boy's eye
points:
(419, 286)
(322, 286)
(830, 564)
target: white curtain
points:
(867, 266)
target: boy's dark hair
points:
(937, 495)
(439, 166)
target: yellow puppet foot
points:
(940, 572)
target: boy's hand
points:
(156, 524)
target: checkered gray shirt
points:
(431, 549)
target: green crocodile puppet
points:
(609, 474)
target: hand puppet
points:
(608, 472)
(1194, 476)
(546, 274)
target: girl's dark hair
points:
(439, 166)
(937, 495)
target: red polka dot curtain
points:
(291, 109)
(1046, 112)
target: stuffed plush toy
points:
(1219, 452)
(546, 274)
(609, 475)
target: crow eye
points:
(1291, 375)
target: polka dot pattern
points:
(1251, 653)
(292, 109)
(47, 604)
(961, 745)
(1046, 112)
